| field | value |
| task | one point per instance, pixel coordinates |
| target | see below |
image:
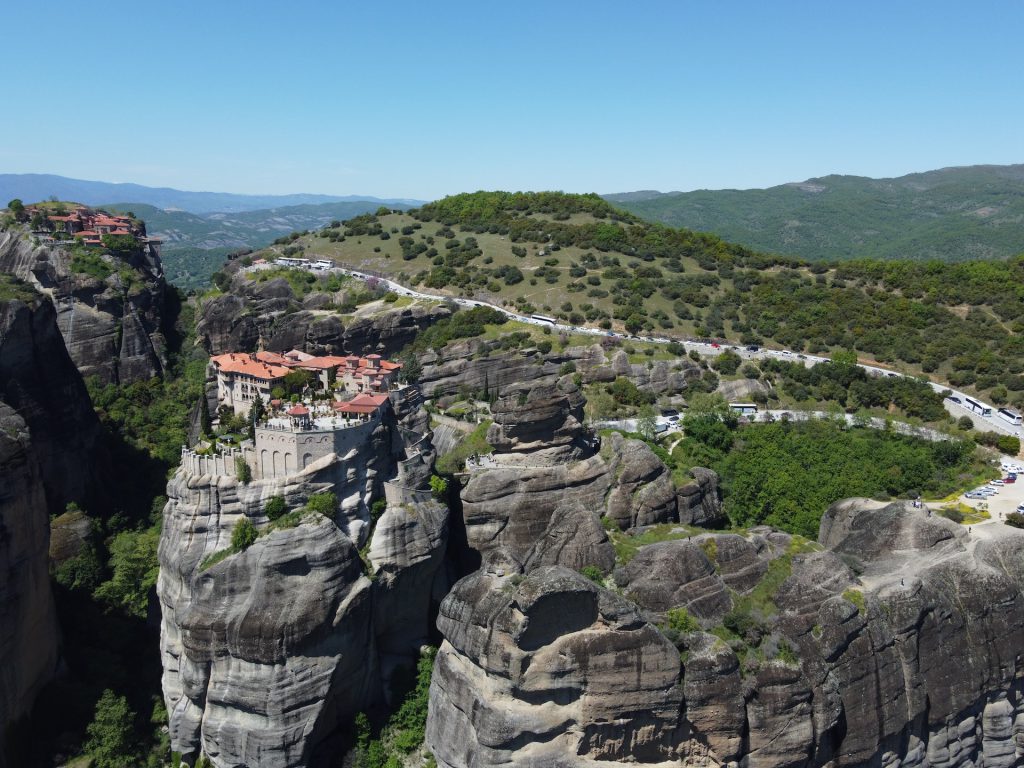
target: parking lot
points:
(1002, 503)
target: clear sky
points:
(422, 99)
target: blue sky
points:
(413, 99)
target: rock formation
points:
(642, 491)
(251, 312)
(549, 670)
(113, 318)
(269, 653)
(485, 364)
(846, 662)
(49, 456)
(28, 624)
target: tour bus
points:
(1011, 416)
(744, 409)
(544, 319)
(973, 405)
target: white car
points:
(996, 482)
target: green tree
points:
(134, 567)
(439, 487)
(325, 503)
(647, 424)
(276, 507)
(243, 470)
(17, 208)
(257, 413)
(110, 742)
(244, 535)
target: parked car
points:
(995, 482)
(1009, 479)
(954, 399)
(752, 348)
(974, 495)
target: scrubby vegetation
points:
(473, 443)
(403, 732)
(537, 251)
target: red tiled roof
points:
(271, 357)
(366, 399)
(239, 362)
(298, 410)
(321, 363)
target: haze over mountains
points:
(40, 186)
(952, 214)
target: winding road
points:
(991, 423)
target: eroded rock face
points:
(642, 491)
(28, 623)
(507, 510)
(270, 311)
(700, 502)
(479, 364)
(850, 670)
(50, 455)
(270, 653)
(539, 418)
(113, 326)
(552, 670)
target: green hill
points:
(953, 214)
(195, 245)
(579, 259)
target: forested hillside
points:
(581, 260)
(953, 214)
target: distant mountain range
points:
(33, 187)
(952, 214)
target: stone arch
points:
(288, 461)
(276, 462)
(264, 469)
(307, 459)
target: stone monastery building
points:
(342, 405)
(242, 377)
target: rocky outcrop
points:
(507, 510)
(28, 623)
(39, 381)
(50, 455)
(544, 419)
(479, 365)
(252, 312)
(112, 314)
(549, 671)
(269, 653)
(642, 492)
(700, 502)
(846, 662)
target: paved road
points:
(630, 425)
(992, 423)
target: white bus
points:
(973, 405)
(544, 319)
(744, 409)
(1011, 416)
